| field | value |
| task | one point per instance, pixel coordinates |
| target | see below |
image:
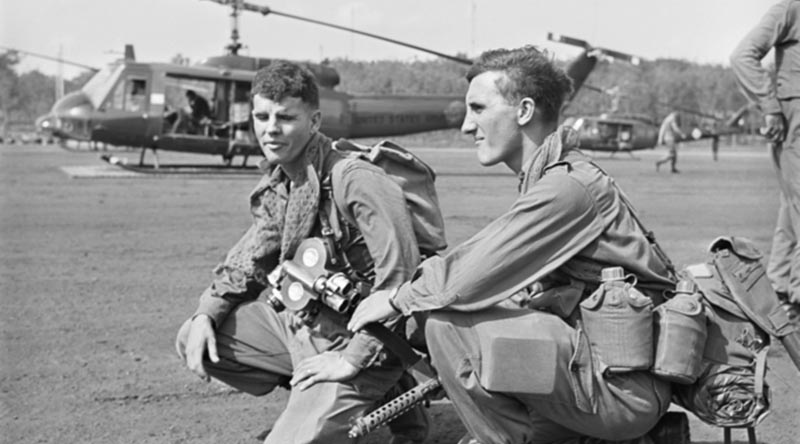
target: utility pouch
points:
(680, 330)
(618, 320)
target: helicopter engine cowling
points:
(327, 77)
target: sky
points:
(94, 32)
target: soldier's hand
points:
(201, 339)
(327, 366)
(374, 308)
(774, 127)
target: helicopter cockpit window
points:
(130, 95)
(135, 95)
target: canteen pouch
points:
(680, 331)
(618, 320)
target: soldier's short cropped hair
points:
(531, 73)
(281, 79)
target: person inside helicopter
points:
(197, 119)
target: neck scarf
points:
(284, 213)
(552, 150)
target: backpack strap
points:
(649, 235)
(760, 374)
(335, 235)
(745, 276)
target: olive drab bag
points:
(416, 179)
(743, 312)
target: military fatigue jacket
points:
(571, 220)
(385, 241)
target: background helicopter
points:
(615, 131)
(135, 104)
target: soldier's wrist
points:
(392, 303)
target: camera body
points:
(310, 276)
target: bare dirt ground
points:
(97, 275)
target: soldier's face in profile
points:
(283, 128)
(492, 121)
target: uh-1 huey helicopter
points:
(136, 104)
(618, 132)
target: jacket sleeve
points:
(377, 206)
(232, 284)
(745, 60)
(551, 223)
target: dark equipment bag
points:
(743, 312)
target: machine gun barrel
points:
(392, 409)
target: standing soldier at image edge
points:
(521, 279)
(239, 338)
(779, 28)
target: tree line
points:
(652, 89)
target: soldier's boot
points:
(413, 426)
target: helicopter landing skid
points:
(175, 169)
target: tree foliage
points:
(652, 89)
(24, 97)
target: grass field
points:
(97, 275)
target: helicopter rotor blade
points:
(47, 57)
(266, 10)
(568, 40)
(632, 59)
(592, 50)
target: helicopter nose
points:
(70, 117)
(46, 123)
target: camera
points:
(308, 276)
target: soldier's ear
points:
(316, 120)
(525, 111)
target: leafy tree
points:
(9, 92)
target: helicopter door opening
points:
(239, 113)
(625, 137)
(190, 106)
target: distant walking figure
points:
(670, 134)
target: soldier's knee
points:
(439, 326)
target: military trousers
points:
(550, 390)
(784, 263)
(671, 157)
(258, 349)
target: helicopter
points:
(627, 133)
(620, 132)
(135, 104)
